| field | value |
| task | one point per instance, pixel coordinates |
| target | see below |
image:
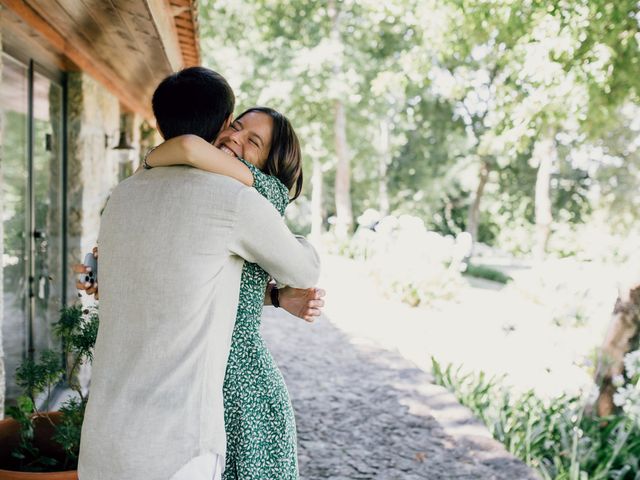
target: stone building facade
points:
(65, 103)
(92, 165)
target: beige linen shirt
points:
(172, 243)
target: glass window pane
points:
(14, 101)
(47, 155)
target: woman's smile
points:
(228, 151)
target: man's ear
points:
(159, 131)
(228, 121)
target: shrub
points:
(488, 273)
(77, 330)
(559, 438)
(408, 262)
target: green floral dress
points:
(261, 430)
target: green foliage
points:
(558, 438)
(77, 329)
(488, 273)
(28, 456)
(68, 430)
(34, 377)
(459, 84)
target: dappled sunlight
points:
(512, 331)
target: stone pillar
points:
(149, 137)
(93, 125)
(93, 122)
(130, 159)
(2, 373)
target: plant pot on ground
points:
(44, 431)
(45, 445)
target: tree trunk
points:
(344, 215)
(621, 338)
(545, 154)
(384, 154)
(316, 201)
(474, 211)
(344, 219)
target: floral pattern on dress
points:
(259, 420)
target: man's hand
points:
(303, 303)
(88, 287)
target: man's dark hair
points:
(193, 101)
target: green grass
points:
(488, 273)
(558, 438)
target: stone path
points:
(364, 412)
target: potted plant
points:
(40, 444)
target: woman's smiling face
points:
(248, 137)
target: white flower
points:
(628, 398)
(618, 381)
(619, 398)
(632, 363)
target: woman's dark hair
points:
(193, 101)
(285, 157)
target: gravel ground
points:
(365, 412)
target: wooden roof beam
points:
(161, 12)
(81, 57)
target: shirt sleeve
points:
(261, 236)
(269, 187)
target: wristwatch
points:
(275, 297)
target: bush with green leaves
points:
(407, 261)
(76, 329)
(561, 438)
(488, 273)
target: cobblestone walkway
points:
(366, 413)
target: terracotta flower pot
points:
(9, 439)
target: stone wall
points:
(129, 160)
(2, 374)
(93, 123)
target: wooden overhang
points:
(185, 14)
(127, 45)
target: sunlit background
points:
(472, 173)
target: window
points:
(33, 211)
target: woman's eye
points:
(234, 127)
(255, 143)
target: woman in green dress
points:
(259, 420)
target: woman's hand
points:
(303, 303)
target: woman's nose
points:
(236, 137)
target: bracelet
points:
(145, 164)
(275, 297)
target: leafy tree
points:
(469, 113)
